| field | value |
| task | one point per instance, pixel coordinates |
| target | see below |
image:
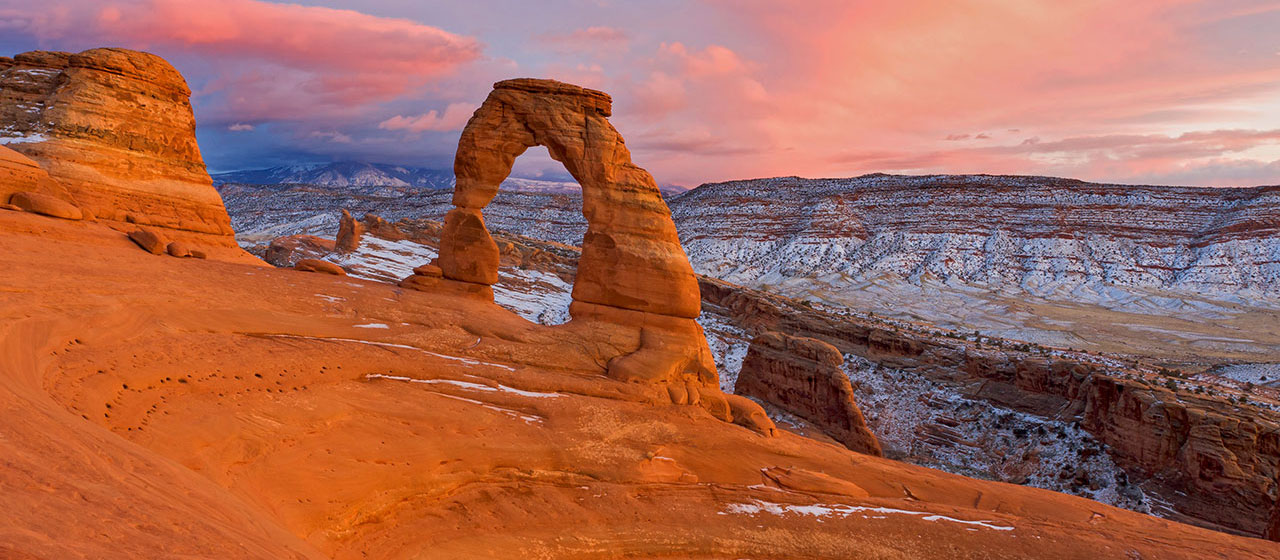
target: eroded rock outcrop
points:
(349, 232)
(632, 272)
(803, 376)
(115, 128)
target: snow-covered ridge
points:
(1022, 232)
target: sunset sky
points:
(1168, 92)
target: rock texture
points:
(19, 173)
(803, 376)
(150, 241)
(317, 265)
(632, 270)
(115, 128)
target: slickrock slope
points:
(115, 128)
(803, 376)
(952, 406)
(220, 410)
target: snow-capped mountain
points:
(343, 174)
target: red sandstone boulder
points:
(317, 265)
(287, 251)
(179, 249)
(46, 205)
(150, 241)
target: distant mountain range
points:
(361, 174)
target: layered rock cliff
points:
(1033, 233)
(115, 128)
(803, 376)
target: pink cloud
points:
(588, 39)
(898, 79)
(271, 60)
(454, 117)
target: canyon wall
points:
(1024, 233)
(803, 376)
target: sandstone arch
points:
(631, 255)
(632, 271)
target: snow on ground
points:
(729, 345)
(527, 418)
(23, 139)
(384, 260)
(932, 425)
(756, 507)
(541, 297)
(1256, 374)
(500, 388)
(468, 361)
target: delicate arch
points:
(631, 255)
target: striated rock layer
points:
(19, 173)
(115, 128)
(1027, 232)
(803, 376)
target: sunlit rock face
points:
(116, 129)
(804, 376)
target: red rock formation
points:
(803, 376)
(317, 265)
(286, 251)
(632, 270)
(150, 241)
(349, 232)
(115, 128)
(47, 205)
